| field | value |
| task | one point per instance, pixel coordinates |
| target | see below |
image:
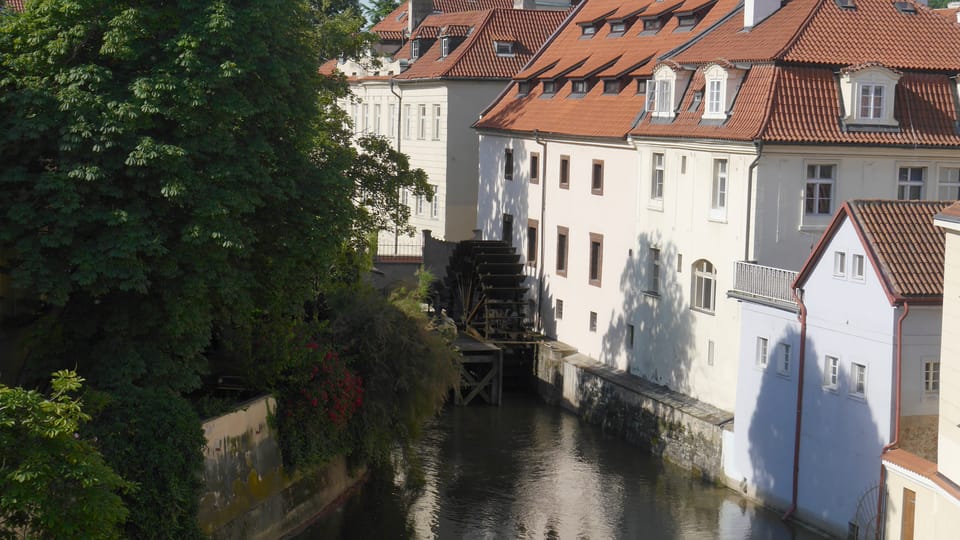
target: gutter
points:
(753, 166)
(543, 227)
(881, 500)
(798, 296)
(396, 228)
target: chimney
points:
(524, 4)
(417, 10)
(955, 5)
(755, 11)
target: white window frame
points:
(365, 111)
(868, 96)
(704, 287)
(718, 193)
(931, 376)
(870, 101)
(908, 188)
(391, 118)
(407, 121)
(415, 49)
(948, 182)
(715, 99)
(858, 380)
(377, 128)
(653, 284)
(657, 176)
(813, 196)
(444, 47)
(421, 121)
(436, 122)
(857, 266)
(840, 264)
(784, 361)
(831, 372)
(355, 116)
(579, 87)
(435, 203)
(763, 352)
(504, 48)
(420, 199)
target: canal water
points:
(528, 470)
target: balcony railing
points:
(400, 251)
(763, 283)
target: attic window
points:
(905, 7)
(611, 86)
(579, 87)
(523, 88)
(588, 30)
(415, 48)
(868, 97)
(444, 47)
(651, 25)
(686, 21)
(550, 87)
(697, 100)
(846, 4)
(503, 48)
(641, 86)
(618, 27)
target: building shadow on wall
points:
(840, 442)
(655, 312)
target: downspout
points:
(396, 228)
(543, 226)
(758, 144)
(798, 296)
(896, 414)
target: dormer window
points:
(611, 86)
(415, 48)
(651, 26)
(523, 88)
(550, 87)
(503, 48)
(686, 22)
(444, 47)
(722, 84)
(587, 30)
(714, 97)
(868, 97)
(664, 91)
(579, 87)
(618, 27)
(641, 86)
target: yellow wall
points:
(949, 433)
(936, 514)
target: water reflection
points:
(526, 470)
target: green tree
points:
(54, 484)
(379, 9)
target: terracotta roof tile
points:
(15, 5)
(952, 211)
(922, 467)
(907, 246)
(476, 57)
(393, 25)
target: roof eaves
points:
(817, 252)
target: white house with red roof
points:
(451, 58)
(922, 494)
(654, 145)
(863, 331)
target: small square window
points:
(839, 264)
(596, 259)
(611, 87)
(630, 336)
(871, 101)
(651, 25)
(549, 87)
(641, 86)
(857, 267)
(562, 243)
(596, 182)
(949, 187)
(858, 379)
(588, 30)
(565, 172)
(761, 352)
(534, 168)
(533, 233)
(910, 183)
(593, 321)
(559, 309)
(579, 87)
(931, 376)
(831, 372)
(523, 88)
(618, 27)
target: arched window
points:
(704, 287)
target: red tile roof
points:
(393, 25)
(922, 467)
(475, 57)
(901, 241)
(952, 211)
(15, 5)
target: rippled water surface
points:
(528, 470)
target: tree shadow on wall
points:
(662, 325)
(497, 196)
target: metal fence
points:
(763, 282)
(405, 249)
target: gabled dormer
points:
(721, 84)
(665, 89)
(451, 37)
(867, 93)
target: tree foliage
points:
(379, 9)
(54, 484)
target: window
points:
(508, 164)
(910, 183)
(579, 87)
(404, 197)
(718, 199)
(436, 122)
(559, 309)
(858, 379)
(651, 25)
(659, 98)
(818, 195)
(596, 181)
(444, 47)
(435, 203)
(783, 361)
(355, 117)
(534, 168)
(588, 30)
(653, 283)
(683, 164)
(503, 48)
(761, 352)
(949, 188)
(565, 172)
(641, 86)
(656, 180)
(618, 27)
(857, 267)
(831, 372)
(562, 236)
(630, 336)
(421, 122)
(415, 49)
(596, 259)
(704, 286)
(931, 376)
(711, 352)
(366, 118)
(391, 118)
(686, 21)
(506, 233)
(549, 87)
(611, 86)
(407, 121)
(839, 264)
(871, 101)
(377, 128)
(420, 204)
(593, 321)
(715, 97)
(523, 88)
(533, 227)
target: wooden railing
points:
(763, 282)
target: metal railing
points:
(763, 282)
(404, 249)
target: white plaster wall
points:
(784, 236)
(842, 434)
(948, 453)
(766, 398)
(921, 343)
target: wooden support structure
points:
(481, 372)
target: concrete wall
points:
(671, 426)
(248, 494)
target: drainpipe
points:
(758, 144)
(896, 414)
(798, 297)
(396, 228)
(543, 225)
